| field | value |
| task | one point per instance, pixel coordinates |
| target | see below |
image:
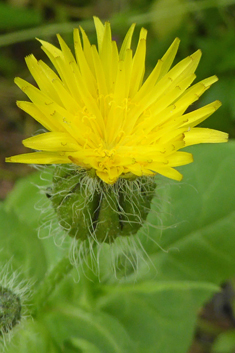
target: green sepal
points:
(10, 309)
(75, 207)
(135, 202)
(108, 223)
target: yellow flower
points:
(102, 115)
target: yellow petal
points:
(52, 141)
(39, 158)
(85, 71)
(180, 158)
(100, 28)
(197, 116)
(169, 173)
(203, 135)
(169, 57)
(127, 42)
(138, 66)
(44, 120)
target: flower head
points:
(101, 114)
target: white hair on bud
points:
(11, 281)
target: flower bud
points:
(72, 204)
(88, 207)
(10, 309)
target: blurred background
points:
(205, 24)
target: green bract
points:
(87, 207)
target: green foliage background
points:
(192, 251)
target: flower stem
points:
(49, 284)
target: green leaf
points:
(101, 330)
(16, 17)
(77, 345)
(20, 245)
(199, 242)
(32, 207)
(225, 343)
(33, 337)
(157, 321)
(25, 199)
